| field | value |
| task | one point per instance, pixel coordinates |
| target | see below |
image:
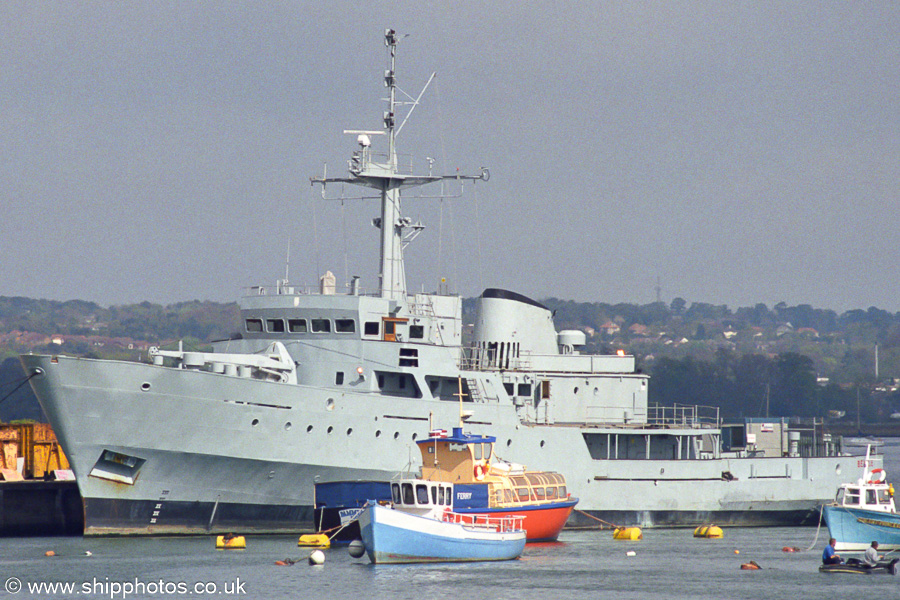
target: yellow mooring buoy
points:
(708, 531)
(314, 540)
(628, 533)
(230, 542)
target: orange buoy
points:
(49, 553)
(750, 566)
(790, 549)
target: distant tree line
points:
(753, 385)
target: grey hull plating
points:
(202, 450)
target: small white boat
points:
(862, 441)
(422, 528)
(864, 511)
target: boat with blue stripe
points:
(864, 511)
(422, 528)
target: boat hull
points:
(392, 536)
(855, 529)
(542, 523)
(221, 453)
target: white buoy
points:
(631, 553)
(356, 549)
(316, 557)
(88, 553)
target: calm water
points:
(583, 564)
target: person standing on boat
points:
(871, 558)
(829, 557)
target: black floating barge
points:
(40, 508)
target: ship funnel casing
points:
(507, 317)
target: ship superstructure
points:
(326, 386)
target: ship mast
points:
(385, 176)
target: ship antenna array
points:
(382, 174)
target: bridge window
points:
(297, 325)
(371, 328)
(395, 493)
(416, 332)
(275, 325)
(344, 325)
(321, 326)
(254, 325)
(524, 390)
(339, 378)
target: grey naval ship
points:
(323, 386)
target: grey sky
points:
(741, 152)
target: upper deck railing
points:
(346, 289)
(683, 415)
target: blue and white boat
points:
(864, 512)
(419, 526)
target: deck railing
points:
(482, 521)
(683, 415)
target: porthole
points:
(662, 471)
(508, 443)
(576, 389)
(329, 404)
(349, 431)
(254, 422)
(271, 474)
(378, 433)
(287, 425)
(309, 429)
(837, 469)
(414, 436)
(396, 435)
(145, 387)
(329, 430)
(542, 443)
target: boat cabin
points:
(466, 460)
(459, 457)
(422, 497)
(871, 492)
(870, 497)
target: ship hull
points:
(205, 452)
